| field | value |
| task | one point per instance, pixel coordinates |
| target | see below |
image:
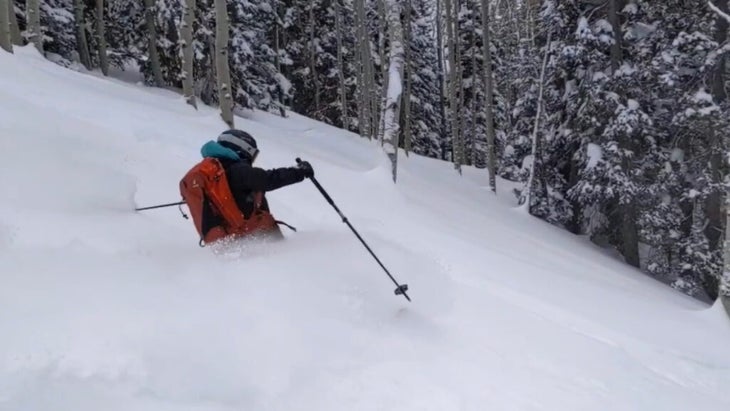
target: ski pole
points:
(179, 203)
(400, 288)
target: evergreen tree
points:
(425, 115)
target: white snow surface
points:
(102, 308)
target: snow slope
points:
(102, 308)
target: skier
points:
(226, 193)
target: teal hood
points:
(215, 150)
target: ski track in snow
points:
(105, 308)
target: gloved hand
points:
(306, 169)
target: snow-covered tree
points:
(425, 116)
(257, 82)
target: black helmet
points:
(241, 142)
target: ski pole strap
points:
(286, 225)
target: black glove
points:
(306, 169)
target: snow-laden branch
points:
(718, 11)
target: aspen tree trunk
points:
(629, 229)
(313, 56)
(186, 34)
(441, 78)
(225, 93)
(363, 103)
(461, 101)
(381, 100)
(360, 71)
(280, 38)
(154, 56)
(101, 37)
(281, 44)
(5, 42)
(516, 23)
(452, 85)
(278, 26)
(341, 66)
(15, 36)
(489, 98)
(391, 110)
(526, 199)
(369, 74)
(373, 96)
(616, 50)
(533, 15)
(717, 164)
(82, 46)
(33, 13)
(716, 230)
(409, 79)
(473, 102)
(724, 292)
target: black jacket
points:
(244, 180)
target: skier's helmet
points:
(241, 142)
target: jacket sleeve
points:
(243, 177)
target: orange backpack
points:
(213, 208)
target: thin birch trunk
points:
(381, 102)
(450, 89)
(629, 228)
(369, 70)
(373, 97)
(33, 13)
(313, 57)
(186, 34)
(5, 42)
(278, 25)
(391, 110)
(101, 37)
(489, 97)
(716, 230)
(409, 80)
(473, 101)
(225, 93)
(15, 36)
(527, 195)
(82, 45)
(459, 72)
(341, 66)
(360, 71)
(452, 86)
(154, 55)
(724, 292)
(441, 78)
(461, 101)
(719, 93)
(616, 50)
(533, 15)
